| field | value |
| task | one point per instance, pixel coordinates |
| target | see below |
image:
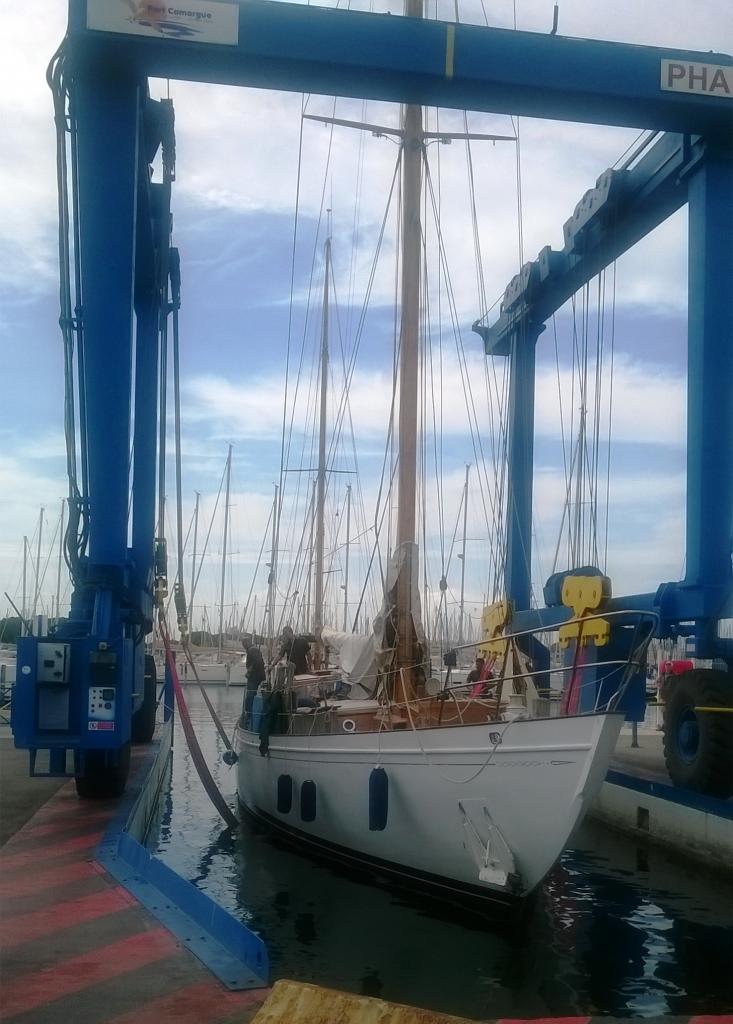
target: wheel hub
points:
(688, 735)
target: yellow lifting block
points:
(494, 620)
(585, 595)
(294, 1002)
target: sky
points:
(234, 210)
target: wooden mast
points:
(409, 364)
(321, 478)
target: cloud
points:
(28, 168)
(647, 403)
(237, 153)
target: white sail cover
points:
(362, 657)
(357, 659)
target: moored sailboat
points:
(474, 794)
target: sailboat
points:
(469, 795)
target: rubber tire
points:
(710, 770)
(100, 780)
(143, 721)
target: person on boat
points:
(294, 648)
(478, 678)
(474, 676)
(255, 674)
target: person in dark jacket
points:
(295, 649)
(255, 674)
(476, 672)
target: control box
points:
(102, 701)
(52, 686)
(53, 663)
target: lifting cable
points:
(179, 594)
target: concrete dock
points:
(638, 798)
(74, 944)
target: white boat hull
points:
(231, 674)
(485, 808)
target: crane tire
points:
(698, 745)
(143, 721)
(101, 780)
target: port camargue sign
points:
(200, 21)
(708, 79)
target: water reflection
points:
(615, 929)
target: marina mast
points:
(61, 558)
(462, 556)
(321, 477)
(224, 552)
(193, 560)
(346, 568)
(409, 365)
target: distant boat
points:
(212, 668)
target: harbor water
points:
(617, 928)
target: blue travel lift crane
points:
(88, 687)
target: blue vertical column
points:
(518, 570)
(145, 447)
(107, 111)
(710, 376)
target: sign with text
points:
(198, 21)
(706, 79)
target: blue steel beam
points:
(145, 453)
(521, 458)
(347, 53)
(107, 110)
(710, 376)
(624, 206)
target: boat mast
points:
(37, 590)
(412, 156)
(346, 567)
(312, 515)
(463, 555)
(193, 560)
(321, 478)
(224, 552)
(61, 556)
(270, 619)
(24, 615)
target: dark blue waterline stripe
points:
(673, 795)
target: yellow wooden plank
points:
(295, 1002)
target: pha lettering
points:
(720, 82)
(674, 73)
(710, 79)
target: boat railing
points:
(606, 678)
(517, 686)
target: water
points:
(615, 929)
